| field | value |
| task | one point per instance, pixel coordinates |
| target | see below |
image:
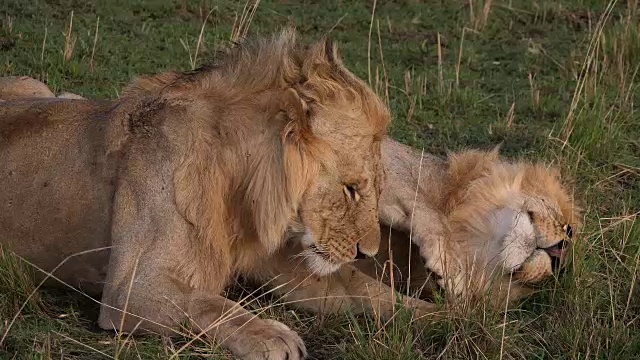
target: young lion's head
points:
(513, 221)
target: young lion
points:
(190, 179)
(482, 225)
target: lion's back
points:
(56, 176)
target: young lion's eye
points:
(351, 193)
(568, 230)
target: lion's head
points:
(481, 225)
(341, 202)
(512, 221)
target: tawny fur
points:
(23, 87)
(452, 210)
(19, 87)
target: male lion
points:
(482, 225)
(190, 179)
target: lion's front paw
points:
(422, 309)
(266, 339)
(457, 285)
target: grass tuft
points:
(15, 287)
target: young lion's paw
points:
(422, 310)
(267, 340)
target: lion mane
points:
(473, 224)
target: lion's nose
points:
(367, 244)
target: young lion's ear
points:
(296, 110)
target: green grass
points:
(543, 78)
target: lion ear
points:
(322, 53)
(296, 111)
(331, 53)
